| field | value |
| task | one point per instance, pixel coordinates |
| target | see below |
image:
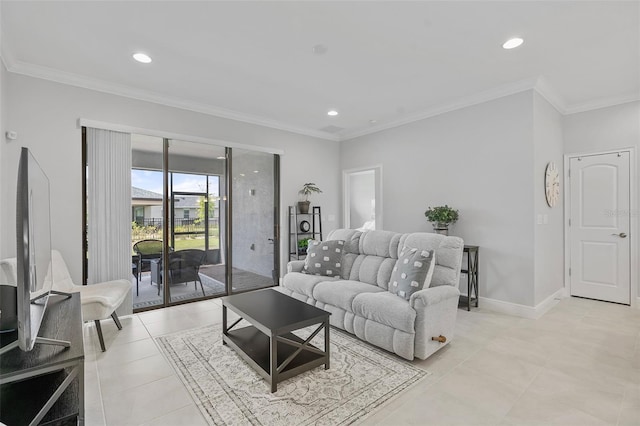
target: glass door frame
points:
(229, 223)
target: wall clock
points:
(552, 184)
(305, 226)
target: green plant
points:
(303, 244)
(442, 214)
(308, 189)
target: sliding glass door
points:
(199, 230)
(147, 221)
(254, 231)
(195, 262)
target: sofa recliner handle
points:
(440, 339)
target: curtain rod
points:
(84, 122)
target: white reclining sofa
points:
(360, 301)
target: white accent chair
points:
(99, 301)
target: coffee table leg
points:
(326, 344)
(274, 364)
(224, 323)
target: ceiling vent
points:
(332, 129)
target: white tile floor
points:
(577, 365)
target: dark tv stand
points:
(46, 384)
(41, 340)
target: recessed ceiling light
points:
(142, 57)
(241, 174)
(513, 43)
(256, 171)
(319, 49)
(332, 113)
(221, 158)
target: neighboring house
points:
(145, 205)
(146, 208)
(186, 207)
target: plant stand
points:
(314, 219)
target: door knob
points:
(621, 235)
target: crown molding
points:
(478, 98)
(544, 89)
(602, 103)
(46, 73)
(5, 55)
(540, 85)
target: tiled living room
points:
(468, 256)
(576, 365)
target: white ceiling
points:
(392, 62)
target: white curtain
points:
(109, 206)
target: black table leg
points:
(274, 364)
(327, 343)
(224, 323)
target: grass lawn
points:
(196, 243)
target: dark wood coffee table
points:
(268, 344)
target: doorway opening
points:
(362, 190)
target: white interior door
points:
(599, 227)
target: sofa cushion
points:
(342, 292)
(412, 272)
(385, 308)
(303, 283)
(324, 258)
(380, 243)
(371, 269)
(448, 255)
(351, 238)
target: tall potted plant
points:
(305, 192)
(441, 217)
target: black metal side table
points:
(472, 274)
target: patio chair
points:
(147, 250)
(183, 267)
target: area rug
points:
(229, 392)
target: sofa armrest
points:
(433, 295)
(295, 266)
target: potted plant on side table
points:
(441, 217)
(306, 191)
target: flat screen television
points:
(33, 232)
(33, 255)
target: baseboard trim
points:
(524, 311)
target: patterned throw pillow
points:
(324, 258)
(412, 272)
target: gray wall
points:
(549, 240)
(479, 160)
(607, 129)
(46, 113)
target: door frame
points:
(378, 179)
(634, 217)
